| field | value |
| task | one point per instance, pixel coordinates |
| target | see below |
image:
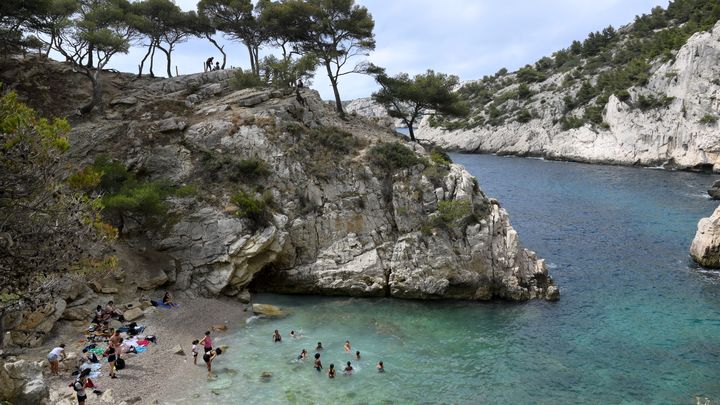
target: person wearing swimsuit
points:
(318, 364)
(331, 371)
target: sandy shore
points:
(156, 375)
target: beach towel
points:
(97, 350)
(143, 342)
(140, 349)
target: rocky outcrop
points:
(682, 135)
(705, 247)
(31, 321)
(714, 191)
(337, 223)
(21, 381)
(366, 107)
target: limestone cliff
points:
(680, 132)
(705, 248)
(338, 224)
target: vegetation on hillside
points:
(46, 227)
(607, 62)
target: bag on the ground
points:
(119, 364)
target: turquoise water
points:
(637, 323)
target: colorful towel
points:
(140, 349)
(143, 342)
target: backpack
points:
(75, 384)
(119, 364)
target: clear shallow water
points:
(636, 322)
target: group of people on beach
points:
(317, 365)
(209, 353)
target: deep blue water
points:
(636, 323)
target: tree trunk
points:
(152, 60)
(167, 56)
(90, 61)
(252, 61)
(333, 81)
(219, 48)
(410, 131)
(142, 63)
(96, 99)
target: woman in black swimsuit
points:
(318, 365)
(112, 357)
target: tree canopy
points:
(411, 98)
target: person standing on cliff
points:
(208, 64)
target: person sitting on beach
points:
(90, 357)
(206, 342)
(112, 311)
(195, 350)
(302, 355)
(319, 347)
(111, 358)
(348, 369)
(54, 357)
(347, 346)
(100, 315)
(331, 371)
(276, 336)
(167, 300)
(380, 367)
(104, 329)
(318, 364)
(357, 355)
(208, 358)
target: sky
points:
(467, 38)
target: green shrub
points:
(594, 114)
(252, 208)
(453, 214)
(321, 149)
(524, 92)
(651, 102)
(440, 157)
(524, 116)
(390, 157)
(708, 119)
(623, 95)
(528, 74)
(245, 80)
(251, 169)
(571, 122)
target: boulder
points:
(270, 311)
(22, 382)
(127, 101)
(714, 191)
(132, 314)
(220, 328)
(78, 313)
(109, 290)
(705, 247)
(244, 296)
(178, 350)
(170, 125)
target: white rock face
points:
(672, 135)
(705, 248)
(366, 107)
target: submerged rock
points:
(270, 311)
(705, 247)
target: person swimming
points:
(318, 365)
(347, 346)
(380, 367)
(302, 355)
(348, 369)
(276, 336)
(292, 334)
(357, 355)
(331, 371)
(319, 347)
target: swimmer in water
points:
(347, 346)
(348, 369)
(318, 365)
(319, 347)
(276, 336)
(380, 367)
(302, 355)
(292, 334)
(331, 371)
(357, 355)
